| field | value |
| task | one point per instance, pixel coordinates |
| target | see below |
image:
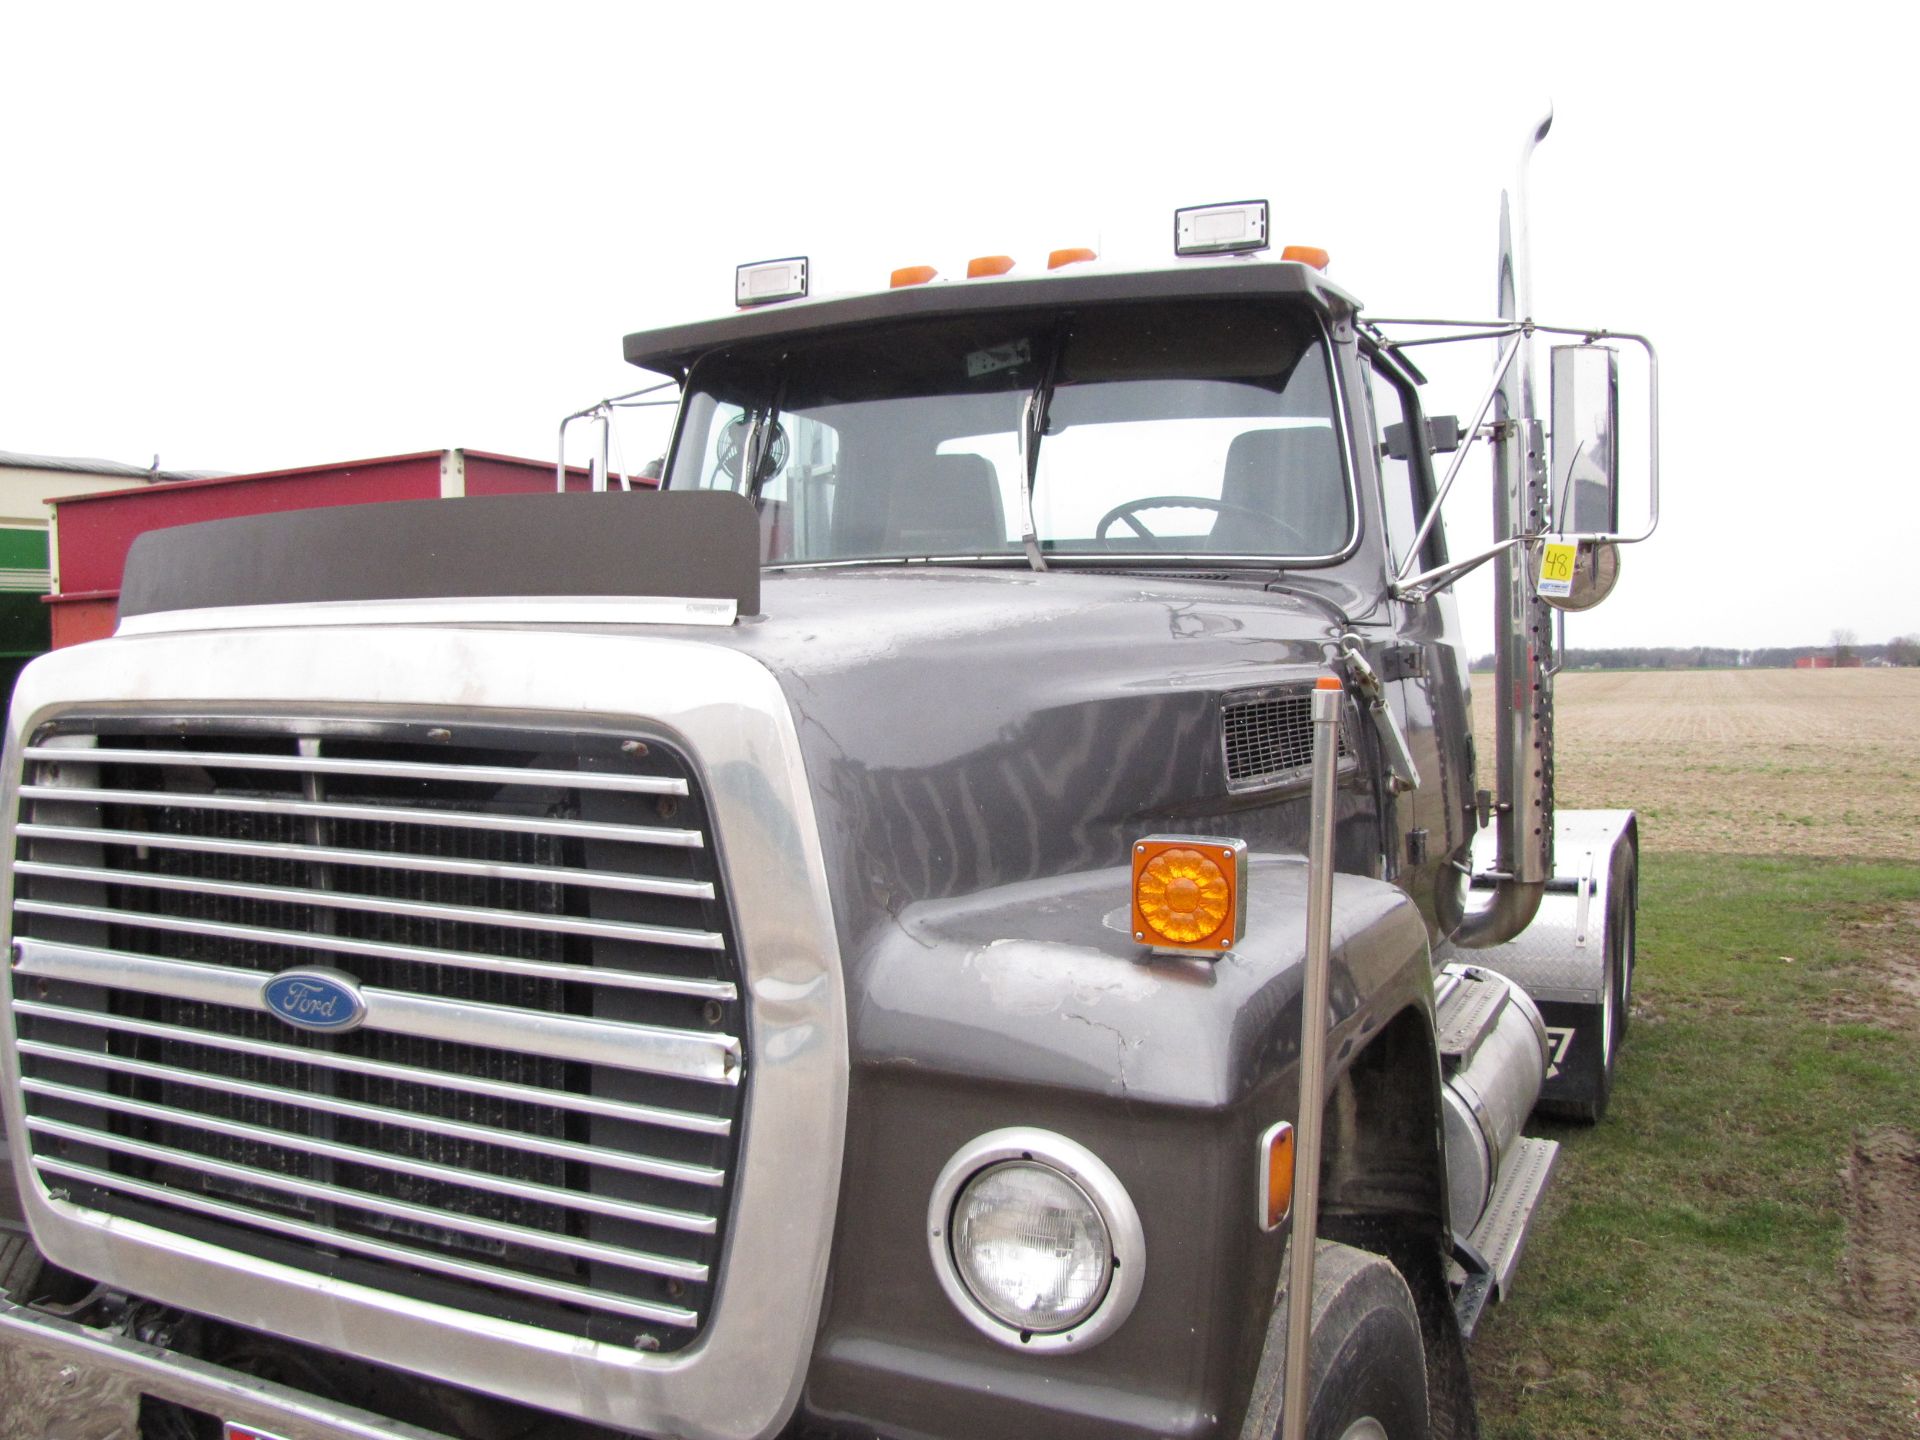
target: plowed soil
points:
(1749, 762)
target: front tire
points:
(1368, 1372)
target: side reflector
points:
(988, 265)
(767, 281)
(912, 275)
(1187, 892)
(1276, 1175)
(1071, 256)
(1236, 229)
(1307, 255)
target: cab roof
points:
(672, 350)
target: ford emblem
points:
(316, 999)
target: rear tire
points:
(1368, 1370)
(1627, 880)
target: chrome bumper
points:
(55, 1366)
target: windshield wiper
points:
(761, 434)
(1033, 425)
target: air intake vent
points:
(1268, 739)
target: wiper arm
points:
(1033, 425)
(764, 426)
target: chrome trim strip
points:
(667, 1265)
(692, 1055)
(514, 610)
(742, 1380)
(500, 1279)
(374, 859)
(683, 1220)
(379, 905)
(380, 814)
(461, 959)
(394, 769)
(359, 1065)
(703, 1175)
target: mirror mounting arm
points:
(1424, 585)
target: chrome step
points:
(1501, 1235)
(1467, 1010)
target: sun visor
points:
(697, 545)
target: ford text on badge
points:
(315, 999)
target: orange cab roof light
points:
(912, 275)
(988, 265)
(1307, 255)
(1073, 255)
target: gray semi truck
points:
(819, 949)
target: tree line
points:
(1902, 650)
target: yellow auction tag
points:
(1556, 567)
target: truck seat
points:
(1292, 474)
(953, 507)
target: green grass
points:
(1684, 1278)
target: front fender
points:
(1031, 1005)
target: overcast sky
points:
(261, 235)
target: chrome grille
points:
(1268, 739)
(538, 1117)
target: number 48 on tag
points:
(1556, 567)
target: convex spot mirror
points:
(1586, 432)
(1590, 573)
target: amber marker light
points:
(1276, 1175)
(1187, 893)
(912, 275)
(1307, 255)
(1072, 256)
(988, 265)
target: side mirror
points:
(1443, 437)
(1586, 430)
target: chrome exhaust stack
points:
(1523, 638)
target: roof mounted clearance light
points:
(988, 265)
(1073, 255)
(1307, 255)
(911, 275)
(766, 282)
(1238, 228)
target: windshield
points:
(1198, 429)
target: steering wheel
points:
(1297, 543)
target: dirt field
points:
(1750, 762)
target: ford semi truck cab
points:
(820, 948)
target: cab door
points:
(1425, 666)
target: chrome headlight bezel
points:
(1127, 1249)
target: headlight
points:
(1035, 1241)
(1031, 1246)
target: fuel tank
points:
(1493, 1051)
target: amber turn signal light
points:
(1276, 1175)
(1187, 893)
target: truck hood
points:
(968, 729)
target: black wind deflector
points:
(696, 547)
